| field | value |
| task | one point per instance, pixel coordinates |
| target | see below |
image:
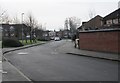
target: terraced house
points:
(112, 20)
(18, 31)
(92, 24)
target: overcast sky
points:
(53, 12)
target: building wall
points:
(105, 41)
(15, 30)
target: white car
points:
(56, 38)
(28, 36)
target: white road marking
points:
(22, 53)
(4, 72)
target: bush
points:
(43, 40)
(9, 42)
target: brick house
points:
(93, 24)
(15, 30)
(81, 28)
(66, 33)
(52, 35)
(112, 20)
(104, 40)
(45, 35)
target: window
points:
(115, 21)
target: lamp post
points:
(22, 26)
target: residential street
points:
(49, 62)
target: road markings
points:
(22, 53)
(4, 72)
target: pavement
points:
(69, 48)
(15, 75)
(12, 74)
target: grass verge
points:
(29, 43)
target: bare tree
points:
(66, 25)
(4, 17)
(72, 23)
(32, 23)
(15, 20)
(2, 12)
(92, 14)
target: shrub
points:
(9, 42)
(43, 40)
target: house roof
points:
(113, 15)
(5, 25)
(85, 23)
(15, 25)
(18, 25)
(98, 16)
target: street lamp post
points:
(22, 27)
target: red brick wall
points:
(105, 41)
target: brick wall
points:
(105, 41)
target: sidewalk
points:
(9, 73)
(68, 48)
(12, 74)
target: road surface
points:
(45, 63)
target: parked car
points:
(57, 38)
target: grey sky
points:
(54, 12)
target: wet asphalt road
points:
(44, 63)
